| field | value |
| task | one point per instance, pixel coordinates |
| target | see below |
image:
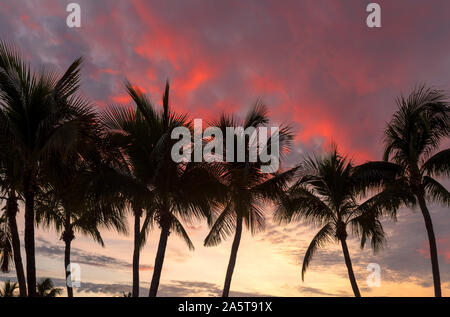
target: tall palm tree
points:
(8, 290)
(76, 198)
(326, 195)
(137, 137)
(11, 209)
(5, 244)
(163, 188)
(184, 191)
(247, 187)
(180, 190)
(10, 176)
(46, 288)
(39, 116)
(9, 186)
(413, 135)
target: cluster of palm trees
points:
(81, 170)
(44, 288)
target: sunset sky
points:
(314, 63)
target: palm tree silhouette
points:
(137, 137)
(39, 116)
(76, 199)
(411, 137)
(247, 187)
(326, 195)
(177, 191)
(46, 288)
(5, 244)
(9, 183)
(185, 191)
(9, 289)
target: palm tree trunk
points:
(233, 256)
(67, 237)
(67, 263)
(29, 194)
(136, 252)
(11, 212)
(433, 248)
(348, 263)
(159, 260)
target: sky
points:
(315, 64)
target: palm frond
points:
(257, 115)
(418, 126)
(324, 236)
(438, 164)
(274, 188)
(177, 227)
(375, 174)
(367, 226)
(436, 191)
(301, 203)
(387, 201)
(145, 228)
(222, 228)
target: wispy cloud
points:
(49, 249)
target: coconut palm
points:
(46, 288)
(5, 244)
(9, 186)
(40, 115)
(326, 195)
(412, 137)
(137, 137)
(11, 209)
(169, 191)
(247, 186)
(184, 191)
(77, 199)
(9, 289)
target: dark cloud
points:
(170, 289)
(48, 249)
(312, 291)
(314, 63)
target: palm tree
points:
(247, 187)
(40, 115)
(185, 191)
(9, 185)
(9, 289)
(12, 232)
(76, 198)
(5, 244)
(137, 137)
(127, 294)
(180, 190)
(46, 288)
(411, 137)
(326, 195)
(10, 237)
